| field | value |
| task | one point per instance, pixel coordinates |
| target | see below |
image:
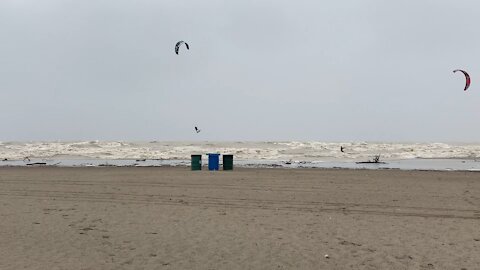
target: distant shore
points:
(174, 218)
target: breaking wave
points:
(312, 151)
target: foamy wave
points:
(312, 151)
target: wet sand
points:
(173, 218)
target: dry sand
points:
(173, 218)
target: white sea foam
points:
(312, 151)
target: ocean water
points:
(261, 154)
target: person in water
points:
(341, 149)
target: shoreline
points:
(205, 168)
(433, 164)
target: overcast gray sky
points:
(358, 70)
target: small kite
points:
(177, 46)
(467, 78)
(197, 130)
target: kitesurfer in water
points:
(341, 149)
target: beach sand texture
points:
(174, 218)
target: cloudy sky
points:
(350, 70)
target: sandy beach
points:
(174, 218)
